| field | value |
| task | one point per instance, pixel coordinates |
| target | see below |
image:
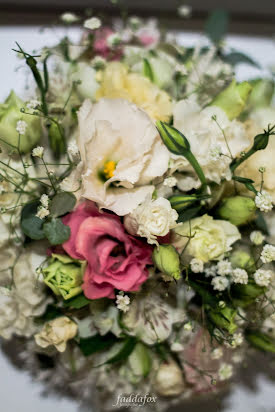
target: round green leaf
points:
(31, 225)
(56, 232)
(62, 203)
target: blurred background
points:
(251, 31)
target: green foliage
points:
(217, 25)
(77, 302)
(31, 225)
(56, 232)
(97, 343)
(62, 203)
(260, 341)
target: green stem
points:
(194, 163)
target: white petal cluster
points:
(38, 151)
(220, 283)
(224, 267)
(217, 353)
(122, 302)
(268, 254)
(263, 277)
(151, 219)
(264, 201)
(257, 237)
(69, 18)
(196, 265)
(93, 23)
(240, 276)
(21, 127)
(225, 371)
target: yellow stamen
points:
(109, 169)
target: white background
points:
(17, 391)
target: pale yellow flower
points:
(118, 82)
(57, 332)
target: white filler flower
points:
(263, 277)
(220, 283)
(268, 254)
(263, 201)
(122, 302)
(38, 151)
(240, 276)
(224, 267)
(196, 265)
(257, 237)
(21, 127)
(93, 23)
(225, 371)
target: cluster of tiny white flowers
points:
(210, 271)
(93, 23)
(220, 283)
(268, 254)
(225, 371)
(43, 210)
(32, 104)
(224, 267)
(170, 181)
(187, 326)
(98, 62)
(69, 18)
(73, 150)
(44, 200)
(122, 302)
(240, 276)
(263, 277)
(113, 40)
(38, 151)
(257, 237)
(177, 347)
(21, 127)
(217, 353)
(196, 265)
(215, 152)
(263, 201)
(237, 340)
(184, 10)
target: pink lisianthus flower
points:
(116, 260)
(101, 46)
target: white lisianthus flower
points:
(220, 283)
(257, 237)
(268, 254)
(57, 332)
(225, 371)
(207, 140)
(240, 276)
(263, 277)
(151, 319)
(196, 265)
(205, 238)
(121, 153)
(151, 219)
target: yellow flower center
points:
(109, 168)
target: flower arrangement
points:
(137, 231)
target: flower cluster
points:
(134, 191)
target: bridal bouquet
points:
(137, 231)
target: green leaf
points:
(56, 232)
(56, 138)
(217, 25)
(31, 225)
(181, 202)
(96, 343)
(62, 203)
(147, 70)
(241, 179)
(52, 312)
(235, 58)
(189, 214)
(140, 360)
(244, 295)
(77, 302)
(260, 341)
(124, 352)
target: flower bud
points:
(56, 139)
(64, 276)
(233, 99)
(174, 140)
(260, 341)
(10, 115)
(167, 260)
(224, 318)
(239, 210)
(57, 332)
(169, 379)
(243, 260)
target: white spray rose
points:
(205, 238)
(57, 332)
(151, 219)
(169, 379)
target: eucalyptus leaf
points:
(234, 58)
(62, 203)
(31, 225)
(77, 302)
(56, 232)
(217, 25)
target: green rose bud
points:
(224, 318)
(244, 295)
(10, 115)
(233, 99)
(260, 341)
(243, 260)
(64, 276)
(56, 138)
(167, 260)
(239, 210)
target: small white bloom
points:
(187, 326)
(196, 265)
(98, 62)
(220, 283)
(44, 200)
(215, 152)
(263, 201)
(69, 18)
(240, 276)
(73, 150)
(263, 277)
(113, 40)
(185, 11)
(38, 151)
(122, 302)
(211, 271)
(134, 22)
(217, 353)
(225, 371)
(237, 358)
(42, 212)
(177, 347)
(21, 127)
(32, 104)
(92, 23)
(268, 254)
(170, 181)
(180, 68)
(257, 237)
(237, 340)
(224, 268)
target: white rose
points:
(57, 332)
(121, 154)
(169, 379)
(205, 238)
(151, 219)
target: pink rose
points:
(116, 260)
(101, 45)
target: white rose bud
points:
(169, 379)
(57, 332)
